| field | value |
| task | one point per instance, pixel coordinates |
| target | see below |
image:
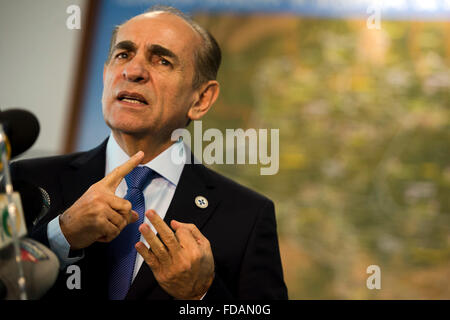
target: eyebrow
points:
(152, 49)
(125, 45)
(162, 51)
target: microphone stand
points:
(12, 213)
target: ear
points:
(207, 95)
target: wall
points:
(38, 60)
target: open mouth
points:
(132, 97)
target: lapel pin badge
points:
(201, 202)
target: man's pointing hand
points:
(99, 215)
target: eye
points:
(164, 62)
(159, 60)
(122, 55)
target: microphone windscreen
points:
(40, 268)
(22, 129)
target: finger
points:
(166, 234)
(156, 246)
(116, 219)
(134, 216)
(127, 218)
(114, 177)
(109, 231)
(191, 227)
(148, 256)
(186, 239)
(117, 203)
(123, 207)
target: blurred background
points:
(360, 93)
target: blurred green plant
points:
(364, 119)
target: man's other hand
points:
(182, 262)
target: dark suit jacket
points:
(238, 222)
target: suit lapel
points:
(83, 172)
(194, 181)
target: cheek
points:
(108, 90)
(107, 82)
(111, 76)
(107, 95)
(178, 93)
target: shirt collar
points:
(163, 163)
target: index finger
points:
(166, 234)
(176, 225)
(114, 177)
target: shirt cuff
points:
(59, 244)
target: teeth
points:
(132, 101)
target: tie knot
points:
(139, 178)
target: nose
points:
(135, 71)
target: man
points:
(139, 225)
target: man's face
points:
(148, 80)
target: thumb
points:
(175, 224)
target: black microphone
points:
(22, 129)
(40, 268)
(35, 200)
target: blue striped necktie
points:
(122, 253)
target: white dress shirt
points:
(158, 194)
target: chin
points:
(131, 127)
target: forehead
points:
(165, 29)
